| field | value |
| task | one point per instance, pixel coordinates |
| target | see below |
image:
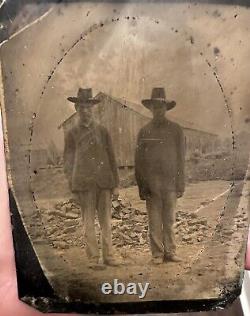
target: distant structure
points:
(124, 119)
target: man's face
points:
(158, 111)
(84, 112)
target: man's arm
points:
(139, 167)
(69, 155)
(180, 183)
(112, 158)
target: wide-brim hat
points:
(158, 96)
(84, 96)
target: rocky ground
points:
(64, 225)
(57, 233)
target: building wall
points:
(124, 124)
(199, 142)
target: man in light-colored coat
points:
(159, 171)
(90, 166)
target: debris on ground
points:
(63, 226)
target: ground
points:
(212, 256)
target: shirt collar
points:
(90, 125)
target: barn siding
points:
(124, 124)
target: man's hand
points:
(115, 193)
(179, 194)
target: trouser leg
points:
(154, 208)
(104, 216)
(87, 201)
(169, 205)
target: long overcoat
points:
(89, 158)
(160, 156)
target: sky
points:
(198, 53)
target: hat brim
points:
(148, 103)
(87, 101)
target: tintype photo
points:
(127, 145)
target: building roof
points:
(141, 110)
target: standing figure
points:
(159, 171)
(90, 166)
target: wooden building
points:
(124, 119)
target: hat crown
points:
(158, 96)
(84, 94)
(158, 93)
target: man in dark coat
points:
(159, 171)
(90, 166)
